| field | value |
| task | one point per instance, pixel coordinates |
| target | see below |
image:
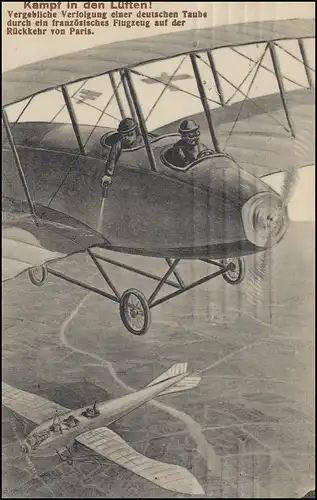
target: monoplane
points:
(218, 209)
(59, 431)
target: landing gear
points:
(38, 275)
(134, 307)
(68, 459)
(135, 312)
(235, 270)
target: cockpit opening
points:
(175, 162)
(71, 422)
(58, 427)
(91, 412)
(188, 149)
(128, 134)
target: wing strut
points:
(141, 120)
(127, 94)
(18, 164)
(204, 102)
(279, 78)
(116, 93)
(216, 77)
(305, 61)
(72, 115)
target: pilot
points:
(56, 426)
(188, 148)
(128, 136)
(92, 412)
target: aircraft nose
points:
(265, 219)
(25, 449)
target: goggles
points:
(191, 135)
(128, 134)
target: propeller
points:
(258, 274)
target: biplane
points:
(217, 209)
(53, 430)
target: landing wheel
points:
(135, 312)
(236, 270)
(38, 275)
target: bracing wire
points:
(247, 94)
(139, 73)
(252, 100)
(64, 105)
(103, 112)
(166, 85)
(238, 89)
(96, 108)
(268, 69)
(18, 118)
(293, 56)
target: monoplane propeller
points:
(258, 274)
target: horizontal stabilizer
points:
(174, 371)
(183, 385)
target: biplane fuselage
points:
(193, 213)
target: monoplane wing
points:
(32, 407)
(110, 445)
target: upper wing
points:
(25, 81)
(30, 406)
(172, 477)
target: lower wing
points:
(110, 445)
(27, 244)
(261, 142)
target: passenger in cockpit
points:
(127, 137)
(188, 148)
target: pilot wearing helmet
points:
(188, 148)
(128, 136)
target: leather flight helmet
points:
(127, 125)
(188, 126)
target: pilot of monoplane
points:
(127, 136)
(189, 147)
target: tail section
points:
(187, 382)
(183, 385)
(175, 379)
(178, 369)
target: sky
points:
(19, 50)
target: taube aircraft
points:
(57, 430)
(255, 118)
